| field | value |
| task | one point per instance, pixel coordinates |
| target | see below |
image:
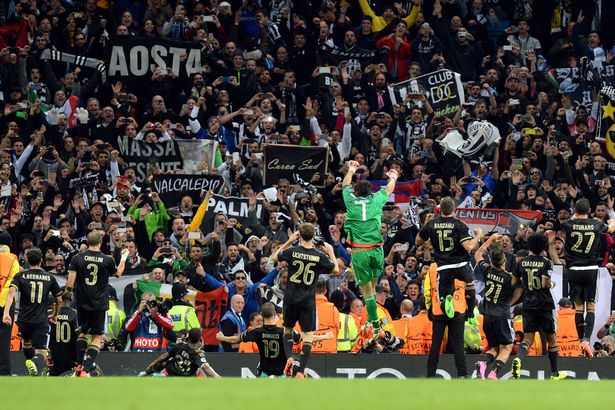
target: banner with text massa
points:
(173, 187)
(143, 155)
(284, 161)
(443, 89)
(137, 57)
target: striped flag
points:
(403, 191)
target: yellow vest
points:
(347, 336)
(115, 320)
(9, 266)
(184, 317)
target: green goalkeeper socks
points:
(372, 310)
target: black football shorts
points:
(304, 314)
(582, 284)
(92, 322)
(36, 333)
(498, 330)
(536, 320)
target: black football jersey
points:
(63, 338)
(34, 286)
(268, 338)
(304, 267)
(584, 241)
(93, 270)
(498, 291)
(531, 270)
(184, 360)
(447, 235)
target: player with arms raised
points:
(305, 265)
(584, 254)
(363, 221)
(538, 306)
(91, 270)
(451, 241)
(496, 309)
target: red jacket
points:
(403, 53)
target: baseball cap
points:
(251, 238)
(224, 4)
(425, 25)
(380, 288)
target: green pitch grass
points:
(342, 394)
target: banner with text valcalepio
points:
(135, 58)
(286, 161)
(443, 89)
(145, 155)
(172, 187)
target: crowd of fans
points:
(264, 80)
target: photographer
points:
(605, 348)
(149, 325)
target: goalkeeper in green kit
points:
(362, 225)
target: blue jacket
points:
(251, 298)
(223, 134)
(239, 325)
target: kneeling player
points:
(538, 306)
(269, 339)
(184, 359)
(496, 309)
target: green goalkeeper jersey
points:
(364, 216)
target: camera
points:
(163, 307)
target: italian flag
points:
(161, 290)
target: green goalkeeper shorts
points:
(367, 265)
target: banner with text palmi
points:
(284, 161)
(135, 58)
(232, 207)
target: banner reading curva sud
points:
(284, 161)
(443, 89)
(136, 57)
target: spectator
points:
(232, 323)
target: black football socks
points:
(90, 357)
(305, 355)
(82, 346)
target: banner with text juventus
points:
(135, 58)
(443, 89)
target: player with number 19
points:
(305, 264)
(91, 270)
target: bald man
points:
(232, 323)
